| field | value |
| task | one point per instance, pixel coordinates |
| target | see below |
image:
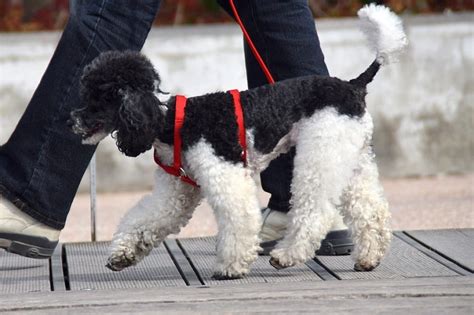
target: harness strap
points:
(240, 122)
(177, 169)
(178, 124)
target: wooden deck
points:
(425, 272)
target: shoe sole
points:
(27, 246)
(336, 243)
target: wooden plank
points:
(58, 283)
(317, 267)
(202, 253)
(182, 263)
(86, 269)
(456, 245)
(19, 274)
(432, 254)
(444, 295)
(402, 261)
(376, 305)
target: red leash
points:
(177, 168)
(251, 45)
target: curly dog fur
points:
(325, 118)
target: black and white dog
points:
(325, 118)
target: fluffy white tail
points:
(384, 32)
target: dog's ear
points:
(113, 74)
(139, 120)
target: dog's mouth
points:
(89, 135)
(97, 128)
(94, 135)
(94, 138)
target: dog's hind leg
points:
(365, 211)
(148, 223)
(327, 148)
(232, 193)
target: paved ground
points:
(435, 295)
(416, 203)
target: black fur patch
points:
(210, 116)
(270, 110)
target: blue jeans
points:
(43, 162)
(285, 36)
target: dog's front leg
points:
(232, 193)
(147, 224)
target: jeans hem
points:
(281, 206)
(26, 208)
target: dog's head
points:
(118, 94)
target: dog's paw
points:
(365, 266)
(121, 259)
(224, 276)
(276, 264)
(281, 262)
(288, 257)
(229, 271)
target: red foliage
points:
(27, 15)
(15, 15)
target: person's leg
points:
(42, 163)
(285, 35)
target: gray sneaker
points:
(21, 234)
(337, 242)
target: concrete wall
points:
(422, 106)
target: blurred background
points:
(36, 15)
(423, 107)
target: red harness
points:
(177, 168)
